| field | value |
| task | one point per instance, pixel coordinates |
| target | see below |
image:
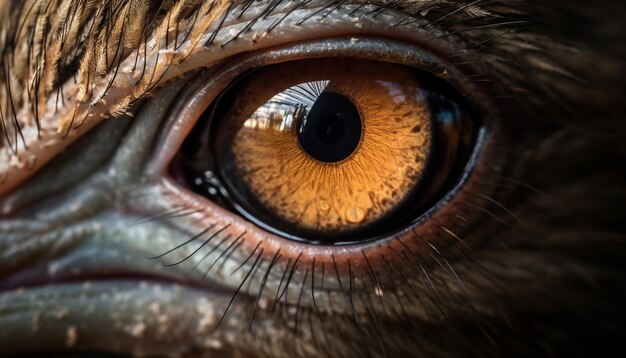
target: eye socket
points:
(330, 150)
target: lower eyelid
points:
(435, 234)
(327, 274)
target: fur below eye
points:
(330, 150)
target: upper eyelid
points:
(204, 88)
(123, 87)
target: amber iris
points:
(328, 145)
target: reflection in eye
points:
(331, 147)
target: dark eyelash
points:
(311, 282)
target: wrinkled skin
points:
(544, 276)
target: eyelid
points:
(206, 86)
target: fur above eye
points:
(330, 150)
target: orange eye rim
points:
(401, 203)
(425, 226)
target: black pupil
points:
(331, 130)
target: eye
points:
(330, 150)
(341, 167)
